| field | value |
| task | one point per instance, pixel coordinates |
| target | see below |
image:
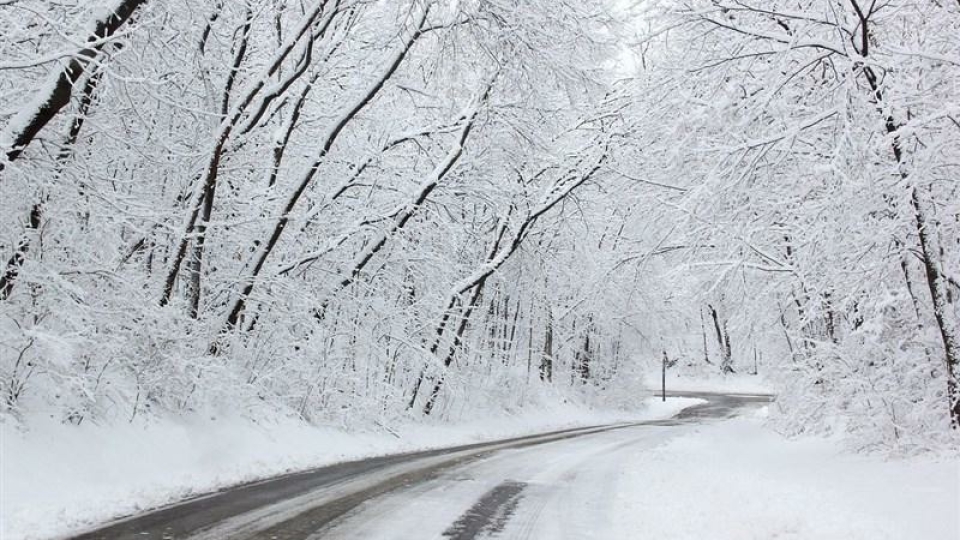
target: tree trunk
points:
(206, 187)
(15, 262)
(943, 312)
(724, 342)
(452, 303)
(583, 362)
(56, 93)
(926, 228)
(727, 366)
(546, 357)
(327, 143)
(455, 346)
(195, 261)
(703, 328)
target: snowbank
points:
(738, 481)
(57, 479)
(739, 384)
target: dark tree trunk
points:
(326, 145)
(546, 356)
(455, 300)
(208, 181)
(455, 346)
(926, 228)
(15, 262)
(703, 328)
(56, 96)
(723, 339)
(585, 356)
(195, 261)
(905, 266)
(942, 309)
(727, 366)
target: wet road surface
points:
(372, 498)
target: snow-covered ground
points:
(56, 478)
(736, 480)
(728, 480)
(676, 382)
(731, 479)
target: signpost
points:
(663, 378)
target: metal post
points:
(663, 378)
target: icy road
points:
(543, 487)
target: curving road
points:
(544, 486)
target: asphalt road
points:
(311, 503)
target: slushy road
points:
(545, 486)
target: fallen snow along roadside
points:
(56, 479)
(727, 384)
(728, 480)
(736, 480)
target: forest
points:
(379, 211)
